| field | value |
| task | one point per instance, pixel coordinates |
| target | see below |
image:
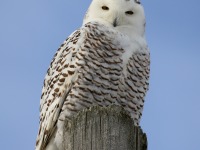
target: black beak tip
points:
(115, 23)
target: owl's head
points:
(122, 15)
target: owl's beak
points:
(115, 22)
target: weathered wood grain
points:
(103, 129)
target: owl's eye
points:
(105, 8)
(129, 12)
(137, 1)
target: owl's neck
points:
(130, 31)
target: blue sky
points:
(30, 33)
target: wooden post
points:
(103, 129)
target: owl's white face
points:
(123, 15)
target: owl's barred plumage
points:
(105, 62)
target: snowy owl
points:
(105, 62)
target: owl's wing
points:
(137, 82)
(57, 84)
